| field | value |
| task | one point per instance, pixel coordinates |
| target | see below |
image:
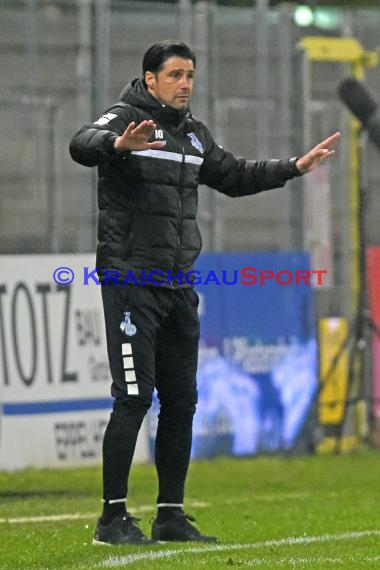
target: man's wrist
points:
(115, 144)
(293, 165)
(109, 145)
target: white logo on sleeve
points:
(105, 119)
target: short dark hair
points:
(158, 53)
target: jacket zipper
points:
(179, 219)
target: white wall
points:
(54, 376)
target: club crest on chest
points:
(195, 142)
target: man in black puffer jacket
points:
(151, 155)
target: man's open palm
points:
(136, 138)
(318, 154)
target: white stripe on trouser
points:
(126, 349)
(132, 390)
(130, 375)
(129, 371)
(113, 501)
(170, 505)
(128, 362)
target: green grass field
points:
(271, 512)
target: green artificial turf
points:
(271, 512)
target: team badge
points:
(195, 141)
(126, 326)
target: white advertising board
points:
(54, 376)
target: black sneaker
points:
(121, 530)
(179, 529)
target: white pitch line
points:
(301, 561)
(294, 561)
(49, 518)
(268, 498)
(82, 516)
(162, 554)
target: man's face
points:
(173, 84)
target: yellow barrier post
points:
(350, 52)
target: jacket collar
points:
(137, 95)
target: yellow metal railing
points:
(346, 51)
(350, 52)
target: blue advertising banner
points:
(257, 372)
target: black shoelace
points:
(131, 525)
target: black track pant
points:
(162, 353)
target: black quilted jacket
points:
(148, 199)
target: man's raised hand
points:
(136, 138)
(318, 154)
